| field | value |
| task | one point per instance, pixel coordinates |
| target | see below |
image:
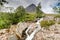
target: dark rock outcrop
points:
(31, 8)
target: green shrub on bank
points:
(5, 20)
(46, 23)
(58, 22)
(57, 16)
(4, 23)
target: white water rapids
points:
(38, 27)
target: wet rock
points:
(20, 28)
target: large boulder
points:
(20, 28)
(15, 31)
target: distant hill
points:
(31, 8)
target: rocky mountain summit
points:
(31, 8)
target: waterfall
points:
(38, 27)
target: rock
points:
(4, 37)
(49, 18)
(38, 36)
(51, 28)
(48, 39)
(12, 37)
(57, 19)
(56, 37)
(5, 34)
(20, 28)
(4, 31)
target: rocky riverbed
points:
(17, 32)
(52, 33)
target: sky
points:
(45, 4)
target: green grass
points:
(57, 16)
(30, 17)
(47, 23)
(58, 22)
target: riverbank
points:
(17, 32)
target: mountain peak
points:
(32, 5)
(31, 8)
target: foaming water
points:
(38, 27)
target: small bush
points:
(47, 23)
(5, 20)
(57, 16)
(58, 22)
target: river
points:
(38, 27)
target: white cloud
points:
(46, 4)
